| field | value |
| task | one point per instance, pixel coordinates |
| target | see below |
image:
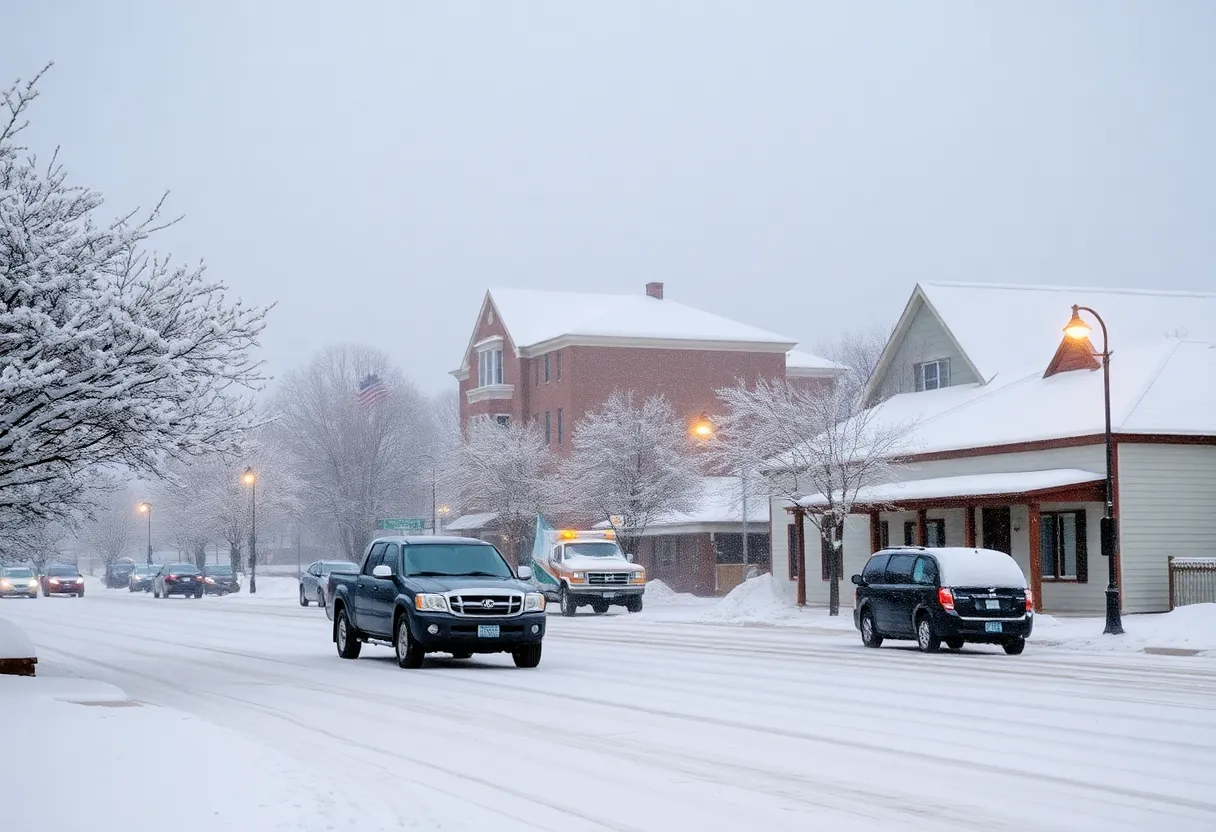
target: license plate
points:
(992, 605)
(487, 631)
(609, 594)
(992, 627)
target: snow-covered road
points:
(633, 723)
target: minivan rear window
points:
(899, 570)
(925, 571)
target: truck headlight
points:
(578, 576)
(430, 602)
(534, 602)
(639, 577)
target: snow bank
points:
(272, 589)
(14, 643)
(115, 739)
(1192, 627)
(758, 601)
(658, 592)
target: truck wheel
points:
(409, 652)
(348, 645)
(527, 656)
(600, 607)
(568, 607)
(303, 597)
(634, 604)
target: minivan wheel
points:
(1015, 646)
(869, 635)
(955, 643)
(925, 638)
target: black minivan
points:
(954, 595)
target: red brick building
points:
(553, 356)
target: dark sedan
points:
(63, 580)
(142, 577)
(220, 580)
(178, 579)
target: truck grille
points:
(607, 578)
(484, 604)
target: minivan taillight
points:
(946, 598)
(1029, 601)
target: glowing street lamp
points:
(251, 479)
(1078, 330)
(702, 427)
(703, 430)
(146, 508)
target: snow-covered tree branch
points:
(110, 355)
(630, 463)
(504, 469)
(112, 532)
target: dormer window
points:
(489, 367)
(932, 375)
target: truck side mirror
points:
(525, 573)
(382, 570)
(629, 556)
(858, 580)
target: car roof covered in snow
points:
(959, 566)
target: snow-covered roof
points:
(796, 360)
(720, 504)
(534, 317)
(1002, 327)
(471, 522)
(971, 485)
(1168, 387)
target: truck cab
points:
(588, 568)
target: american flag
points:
(371, 390)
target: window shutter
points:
(1082, 549)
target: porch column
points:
(1033, 525)
(969, 526)
(875, 531)
(922, 527)
(800, 552)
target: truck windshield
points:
(439, 559)
(598, 549)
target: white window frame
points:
(941, 374)
(489, 367)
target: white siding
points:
(925, 340)
(1167, 506)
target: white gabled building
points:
(1007, 442)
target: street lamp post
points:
(251, 479)
(146, 508)
(1078, 330)
(704, 430)
(444, 511)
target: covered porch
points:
(1046, 520)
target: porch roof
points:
(1060, 484)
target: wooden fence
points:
(1192, 581)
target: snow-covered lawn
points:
(685, 724)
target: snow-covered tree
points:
(36, 543)
(629, 464)
(858, 351)
(504, 469)
(112, 532)
(109, 354)
(354, 457)
(807, 441)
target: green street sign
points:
(404, 524)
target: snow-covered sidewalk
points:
(80, 756)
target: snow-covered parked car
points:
(315, 579)
(955, 595)
(588, 568)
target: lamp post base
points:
(1114, 622)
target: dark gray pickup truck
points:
(424, 595)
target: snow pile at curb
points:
(14, 643)
(758, 602)
(271, 588)
(658, 592)
(116, 739)
(1192, 627)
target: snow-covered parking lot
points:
(631, 723)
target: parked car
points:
(954, 595)
(18, 582)
(118, 573)
(178, 579)
(423, 595)
(219, 579)
(315, 579)
(142, 577)
(63, 580)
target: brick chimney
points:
(654, 290)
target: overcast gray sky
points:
(375, 166)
